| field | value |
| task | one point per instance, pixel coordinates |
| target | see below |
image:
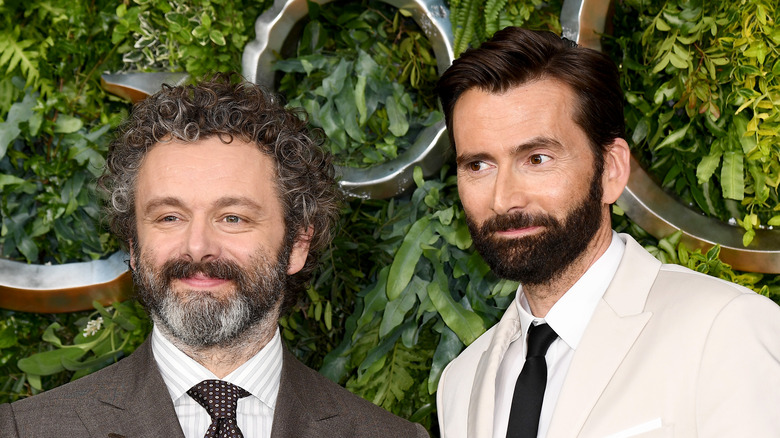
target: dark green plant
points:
(365, 72)
(702, 83)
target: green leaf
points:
(406, 258)
(399, 125)
(333, 84)
(707, 166)
(448, 349)
(465, 323)
(49, 362)
(66, 124)
(674, 137)
(732, 175)
(396, 310)
(217, 37)
(7, 337)
(10, 130)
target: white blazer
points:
(668, 352)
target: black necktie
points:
(529, 390)
(220, 399)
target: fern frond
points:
(465, 25)
(13, 54)
(492, 9)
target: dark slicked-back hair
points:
(515, 57)
(227, 107)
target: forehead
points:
(540, 109)
(205, 170)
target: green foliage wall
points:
(400, 291)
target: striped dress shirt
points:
(259, 376)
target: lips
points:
(201, 280)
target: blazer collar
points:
(483, 392)
(301, 403)
(133, 401)
(617, 322)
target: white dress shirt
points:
(569, 317)
(260, 376)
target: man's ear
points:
(617, 169)
(299, 251)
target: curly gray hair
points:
(226, 107)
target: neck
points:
(224, 359)
(542, 297)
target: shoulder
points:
(322, 399)
(64, 402)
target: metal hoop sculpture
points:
(431, 146)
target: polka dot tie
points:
(220, 399)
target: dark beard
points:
(539, 258)
(198, 318)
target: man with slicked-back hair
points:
(602, 340)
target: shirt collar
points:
(570, 315)
(260, 375)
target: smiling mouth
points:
(201, 280)
(518, 232)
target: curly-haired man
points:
(225, 200)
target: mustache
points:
(505, 222)
(221, 269)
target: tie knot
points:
(539, 339)
(220, 398)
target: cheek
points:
(475, 201)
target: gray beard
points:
(198, 319)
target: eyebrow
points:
(227, 201)
(532, 143)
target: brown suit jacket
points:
(129, 399)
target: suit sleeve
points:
(7, 422)
(738, 392)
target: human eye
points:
(233, 219)
(476, 166)
(537, 159)
(169, 218)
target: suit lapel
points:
(616, 323)
(133, 401)
(302, 403)
(483, 394)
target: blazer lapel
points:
(616, 323)
(483, 394)
(133, 401)
(301, 404)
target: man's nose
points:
(509, 191)
(201, 242)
